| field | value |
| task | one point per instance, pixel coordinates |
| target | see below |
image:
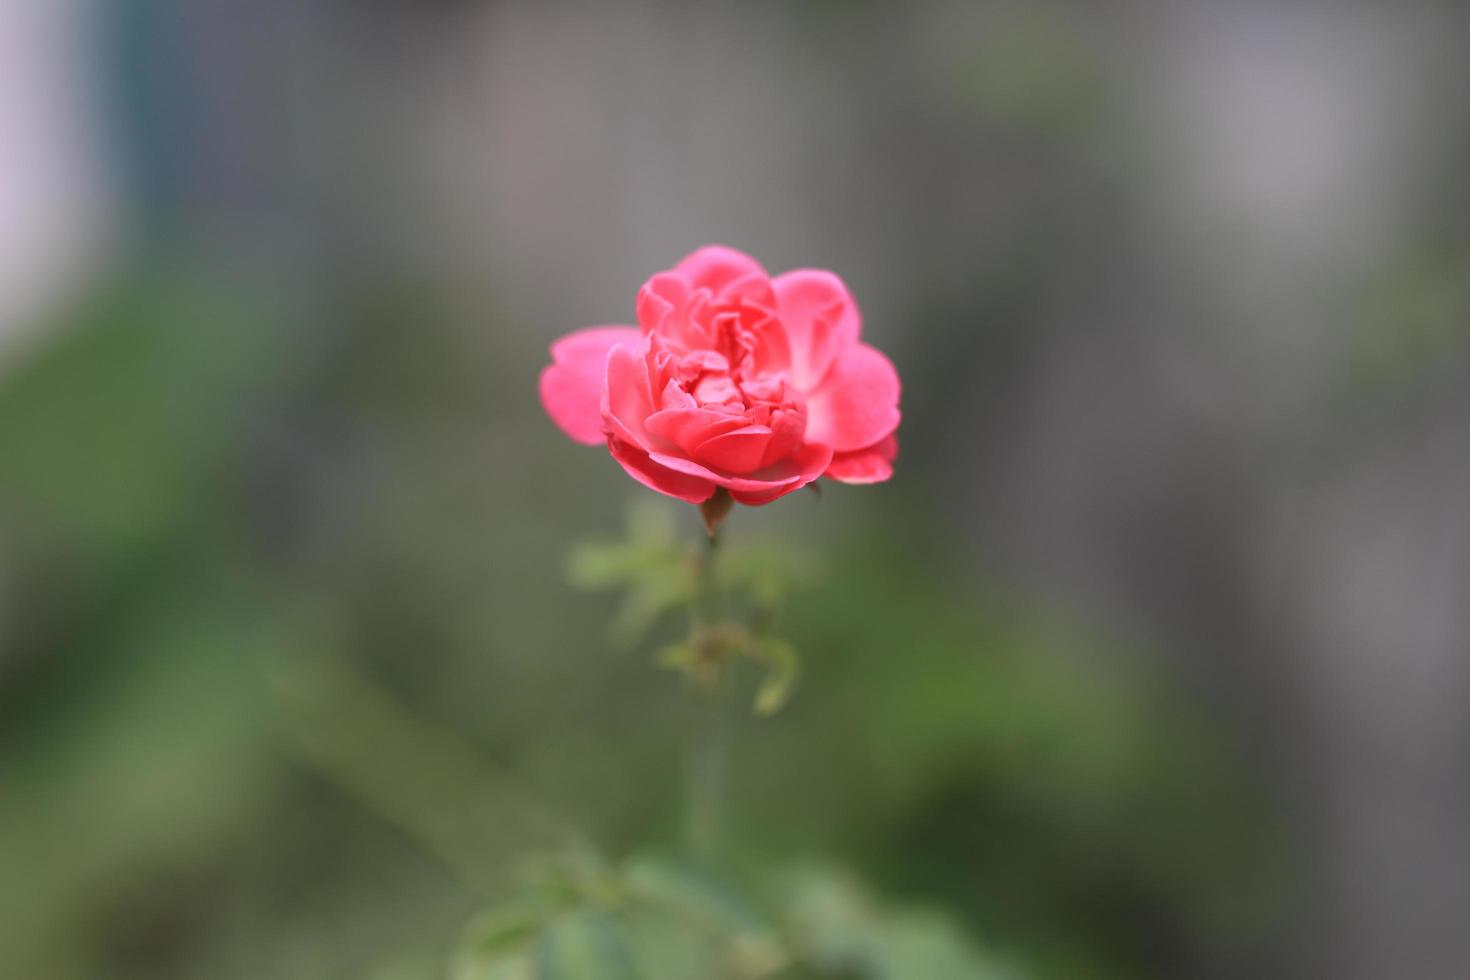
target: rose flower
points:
(733, 380)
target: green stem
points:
(708, 746)
(702, 593)
(709, 751)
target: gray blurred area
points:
(1180, 293)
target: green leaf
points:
(780, 680)
(650, 565)
(929, 944)
(839, 928)
(497, 944)
(831, 921)
(668, 949)
(502, 929)
(693, 924)
(585, 944)
(655, 594)
(678, 656)
(693, 894)
(766, 571)
(512, 966)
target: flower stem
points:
(702, 592)
(708, 753)
(709, 739)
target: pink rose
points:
(731, 379)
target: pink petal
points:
(871, 465)
(674, 397)
(752, 290)
(771, 351)
(811, 461)
(858, 403)
(776, 476)
(794, 471)
(821, 320)
(787, 428)
(628, 400)
(571, 387)
(716, 389)
(738, 451)
(663, 296)
(660, 478)
(716, 266)
(688, 427)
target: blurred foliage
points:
(1006, 766)
(291, 686)
(1413, 316)
(658, 918)
(744, 587)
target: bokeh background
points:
(1152, 661)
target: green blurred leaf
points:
(650, 564)
(502, 930)
(585, 944)
(510, 966)
(678, 656)
(497, 945)
(930, 944)
(658, 593)
(694, 894)
(841, 930)
(768, 571)
(667, 947)
(784, 666)
(690, 922)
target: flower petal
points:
(738, 451)
(571, 386)
(811, 461)
(688, 427)
(821, 320)
(716, 266)
(663, 296)
(787, 428)
(858, 403)
(871, 465)
(627, 399)
(753, 290)
(666, 481)
(790, 472)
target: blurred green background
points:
(1150, 662)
